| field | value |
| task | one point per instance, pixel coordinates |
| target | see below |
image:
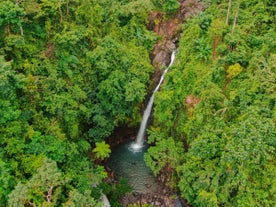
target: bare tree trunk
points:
(60, 13)
(215, 45)
(21, 30)
(67, 8)
(32, 204)
(49, 195)
(228, 11)
(236, 17)
(20, 27)
(8, 29)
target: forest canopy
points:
(73, 70)
(214, 119)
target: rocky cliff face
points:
(169, 29)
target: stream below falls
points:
(130, 164)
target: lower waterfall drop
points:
(139, 142)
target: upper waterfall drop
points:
(138, 144)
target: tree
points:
(6, 182)
(169, 6)
(102, 150)
(228, 11)
(78, 199)
(227, 136)
(41, 188)
(234, 70)
(164, 156)
(10, 15)
(236, 17)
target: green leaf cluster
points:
(71, 71)
(218, 103)
(169, 6)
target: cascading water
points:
(127, 160)
(138, 144)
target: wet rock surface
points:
(120, 135)
(169, 29)
(163, 198)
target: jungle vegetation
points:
(214, 129)
(72, 71)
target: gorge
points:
(76, 77)
(138, 144)
(127, 160)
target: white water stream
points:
(127, 159)
(138, 144)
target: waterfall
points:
(105, 201)
(138, 144)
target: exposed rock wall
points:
(169, 29)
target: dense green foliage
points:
(169, 6)
(71, 71)
(214, 119)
